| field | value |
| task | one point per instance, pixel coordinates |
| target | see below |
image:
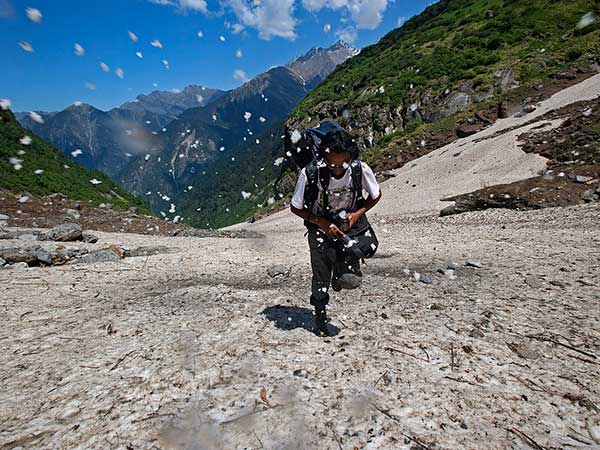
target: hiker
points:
(329, 197)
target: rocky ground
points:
(477, 330)
(192, 348)
(572, 175)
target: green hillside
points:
(462, 41)
(216, 200)
(74, 181)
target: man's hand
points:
(353, 218)
(331, 229)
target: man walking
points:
(329, 197)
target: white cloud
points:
(240, 75)
(347, 34)
(366, 14)
(269, 17)
(401, 20)
(194, 5)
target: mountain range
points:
(159, 143)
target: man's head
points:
(338, 148)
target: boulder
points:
(104, 255)
(43, 256)
(278, 270)
(468, 130)
(17, 255)
(65, 233)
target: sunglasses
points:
(343, 165)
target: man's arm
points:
(369, 203)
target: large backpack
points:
(307, 149)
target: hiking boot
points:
(349, 281)
(321, 322)
(335, 285)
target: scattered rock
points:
(43, 256)
(133, 210)
(20, 265)
(452, 265)
(300, 373)
(17, 255)
(522, 350)
(278, 270)
(426, 279)
(589, 196)
(72, 214)
(146, 251)
(65, 233)
(104, 255)
(89, 238)
(23, 199)
(28, 237)
(4, 217)
(473, 263)
(437, 307)
(2, 262)
(583, 179)
(388, 174)
(468, 130)
(533, 282)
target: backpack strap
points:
(356, 167)
(316, 174)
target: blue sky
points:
(268, 33)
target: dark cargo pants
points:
(328, 263)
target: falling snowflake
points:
(95, 182)
(34, 14)
(246, 195)
(119, 72)
(104, 67)
(200, 34)
(132, 36)
(90, 85)
(77, 103)
(38, 171)
(5, 103)
(239, 54)
(156, 43)
(166, 64)
(262, 119)
(296, 136)
(25, 140)
(278, 161)
(247, 116)
(79, 50)
(381, 89)
(139, 55)
(222, 38)
(199, 98)
(172, 210)
(36, 117)
(147, 157)
(214, 117)
(271, 200)
(327, 28)
(586, 21)
(75, 153)
(258, 141)
(66, 166)
(26, 46)
(16, 163)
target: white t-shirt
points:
(340, 190)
